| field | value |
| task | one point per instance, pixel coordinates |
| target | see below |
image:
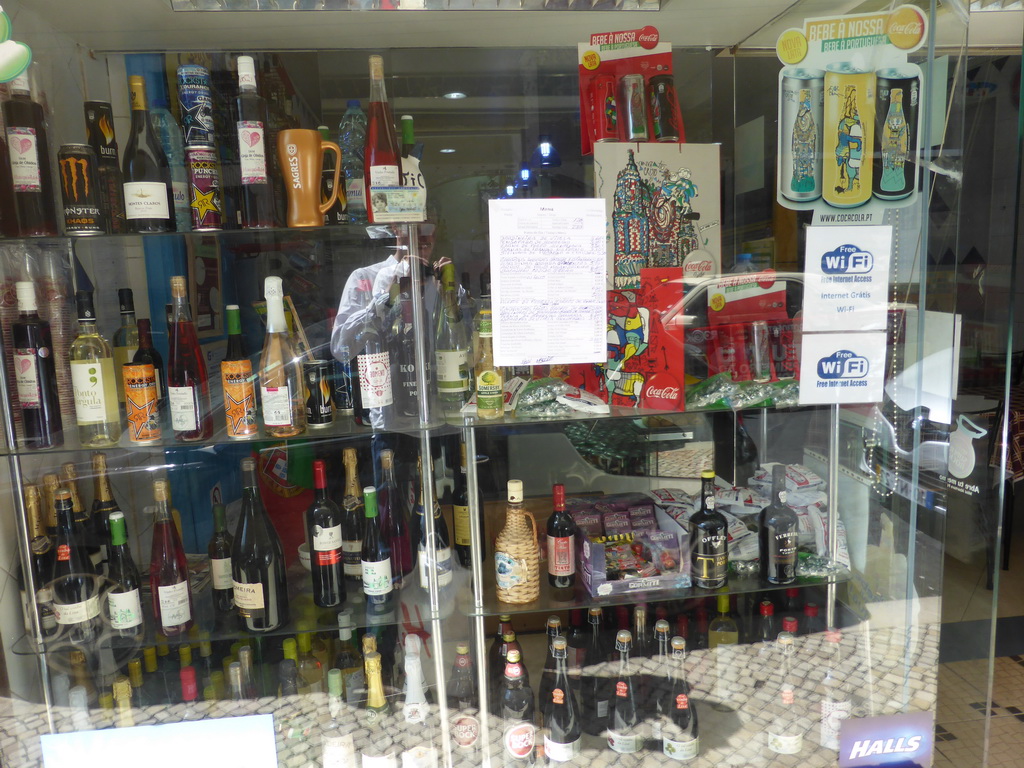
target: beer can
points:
(316, 376)
(603, 108)
(203, 166)
(142, 402)
(784, 352)
(632, 107)
(759, 351)
(800, 151)
(895, 151)
(196, 102)
(239, 398)
(341, 391)
(80, 190)
(661, 95)
(849, 128)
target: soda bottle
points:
(679, 735)
(624, 732)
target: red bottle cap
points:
(767, 608)
(789, 624)
(811, 609)
(558, 496)
(319, 474)
(188, 683)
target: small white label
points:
(414, 711)
(560, 753)
(785, 744)
(375, 380)
(87, 382)
(443, 568)
(510, 572)
(174, 604)
(180, 194)
(602, 708)
(220, 570)
(183, 409)
(146, 200)
(24, 152)
(384, 176)
(248, 597)
(26, 376)
(350, 552)
(327, 539)
(125, 609)
(377, 577)
(782, 497)
(681, 750)
(252, 155)
(77, 613)
(277, 406)
(452, 374)
(390, 760)
(354, 193)
(624, 743)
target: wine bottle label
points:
(239, 397)
(389, 760)
(709, 558)
(443, 567)
(510, 571)
(561, 555)
(377, 577)
(375, 379)
(519, 740)
(146, 200)
(183, 409)
(26, 375)
(252, 154)
(782, 549)
(327, 545)
(785, 744)
(465, 730)
(125, 609)
(174, 604)
(452, 374)
(625, 743)
(832, 715)
(77, 613)
(220, 570)
(384, 176)
(414, 712)
(24, 152)
(681, 750)
(88, 378)
(559, 752)
(351, 552)
(277, 406)
(249, 599)
(460, 514)
(602, 708)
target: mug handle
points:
(330, 145)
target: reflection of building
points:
(630, 225)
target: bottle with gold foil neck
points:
(123, 702)
(376, 703)
(51, 484)
(40, 543)
(103, 504)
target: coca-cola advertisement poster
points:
(662, 202)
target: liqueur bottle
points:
(219, 551)
(516, 557)
(353, 520)
(257, 198)
(92, 375)
(381, 160)
(123, 601)
(147, 353)
(188, 387)
(324, 532)
(414, 707)
(624, 727)
(376, 554)
(778, 534)
(563, 720)
(680, 737)
(561, 536)
(148, 193)
(126, 338)
(29, 155)
(168, 569)
(284, 409)
(709, 543)
(76, 602)
(35, 374)
(238, 382)
(547, 677)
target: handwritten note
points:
(548, 273)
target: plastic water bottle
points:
(169, 133)
(744, 263)
(351, 139)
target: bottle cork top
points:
(678, 643)
(161, 490)
(246, 72)
(708, 474)
(661, 626)
(178, 287)
(785, 638)
(515, 491)
(376, 67)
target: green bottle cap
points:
(234, 319)
(288, 649)
(218, 517)
(407, 131)
(370, 501)
(118, 531)
(723, 603)
(334, 687)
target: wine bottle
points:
(516, 708)
(596, 694)
(723, 637)
(563, 721)
(778, 534)
(680, 737)
(29, 155)
(496, 658)
(103, 504)
(577, 639)
(547, 677)
(251, 685)
(394, 521)
(236, 690)
(311, 671)
(414, 706)
(561, 543)
(126, 338)
(123, 600)
(92, 375)
(287, 677)
(490, 379)
(624, 720)
(785, 731)
(237, 381)
(258, 567)
(451, 344)
(709, 541)
(375, 557)
(168, 569)
(148, 193)
(440, 562)
(408, 389)
(35, 374)
(516, 555)
(76, 603)
(284, 410)
(219, 550)
(347, 658)
(460, 514)
(374, 397)
(257, 203)
(80, 514)
(188, 388)
(41, 546)
(354, 519)
(324, 532)
(658, 685)
(147, 353)
(381, 160)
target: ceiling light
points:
(447, 151)
(455, 95)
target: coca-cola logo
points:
(519, 740)
(663, 391)
(908, 28)
(700, 267)
(648, 37)
(672, 392)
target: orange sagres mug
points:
(301, 154)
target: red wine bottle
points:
(76, 599)
(148, 191)
(188, 388)
(563, 721)
(35, 374)
(29, 154)
(219, 550)
(394, 522)
(147, 353)
(257, 192)
(168, 569)
(323, 531)
(381, 159)
(123, 601)
(257, 561)
(561, 543)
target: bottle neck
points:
(86, 327)
(179, 310)
(163, 511)
(276, 322)
(145, 336)
(128, 319)
(219, 524)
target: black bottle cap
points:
(86, 310)
(127, 301)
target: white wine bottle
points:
(92, 376)
(148, 194)
(284, 411)
(451, 343)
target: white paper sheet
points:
(548, 273)
(847, 278)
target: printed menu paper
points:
(847, 278)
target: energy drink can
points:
(196, 104)
(316, 378)
(80, 190)
(802, 96)
(759, 351)
(603, 109)
(896, 140)
(632, 107)
(142, 402)
(341, 392)
(849, 128)
(99, 129)
(239, 398)
(661, 95)
(203, 166)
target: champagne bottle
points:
(148, 193)
(414, 707)
(563, 722)
(376, 554)
(126, 338)
(561, 539)
(76, 600)
(490, 381)
(35, 374)
(188, 387)
(709, 541)
(103, 504)
(324, 532)
(258, 210)
(147, 353)
(284, 411)
(354, 519)
(680, 737)
(219, 550)
(123, 602)
(41, 546)
(257, 561)
(381, 160)
(79, 513)
(29, 155)
(92, 376)
(624, 727)
(778, 534)
(311, 671)
(168, 569)
(377, 705)
(451, 345)
(441, 561)
(51, 484)
(237, 381)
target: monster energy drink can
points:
(80, 190)
(849, 131)
(802, 95)
(895, 155)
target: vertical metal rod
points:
(833, 508)
(419, 323)
(442, 701)
(428, 491)
(482, 682)
(476, 533)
